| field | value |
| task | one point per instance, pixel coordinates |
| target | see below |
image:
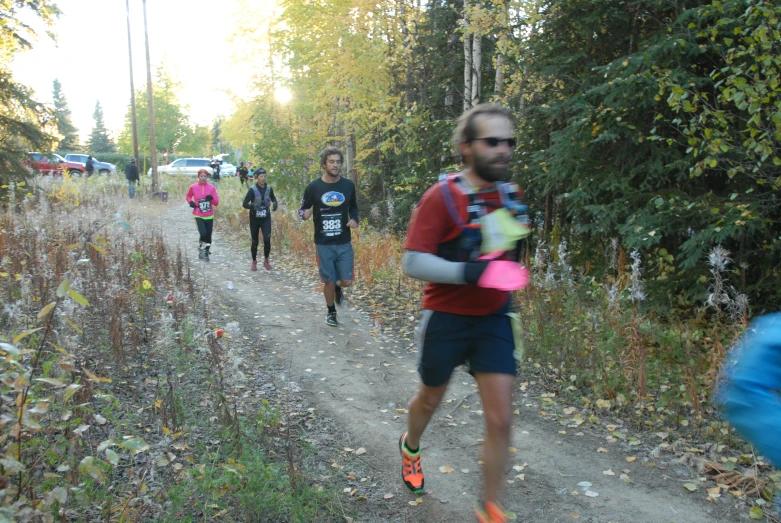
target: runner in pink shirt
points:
(202, 197)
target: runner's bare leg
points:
(496, 394)
(329, 291)
(421, 407)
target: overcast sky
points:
(90, 56)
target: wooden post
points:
(150, 103)
(132, 87)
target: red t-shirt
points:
(431, 226)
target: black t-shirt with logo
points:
(333, 205)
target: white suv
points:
(184, 167)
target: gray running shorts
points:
(335, 262)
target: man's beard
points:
(482, 167)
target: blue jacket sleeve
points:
(752, 394)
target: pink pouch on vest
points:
(502, 274)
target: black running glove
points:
(274, 207)
(192, 204)
(209, 197)
(473, 271)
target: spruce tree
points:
(65, 127)
(99, 140)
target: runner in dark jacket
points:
(260, 200)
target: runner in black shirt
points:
(331, 199)
(243, 173)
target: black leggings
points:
(205, 229)
(255, 226)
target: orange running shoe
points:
(411, 470)
(490, 513)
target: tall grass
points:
(104, 377)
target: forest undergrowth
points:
(119, 397)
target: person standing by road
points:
(243, 173)
(202, 197)
(331, 199)
(215, 165)
(464, 240)
(90, 166)
(260, 200)
(131, 174)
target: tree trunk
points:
(499, 82)
(467, 59)
(477, 64)
(449, 87)
(524, 78)
(501, 49)
(548, 222)
(350, 152)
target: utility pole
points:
(150, 103)
(132, 87)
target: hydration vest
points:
(464, 245)
(262, 203)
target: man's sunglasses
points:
(493, 141)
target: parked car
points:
(51, 164)
(227, 169)
(184, 167)
(100, 167)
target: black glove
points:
(473, 271)
(209, 197)
(192, 204)
(274, 207)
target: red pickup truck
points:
(51, 163)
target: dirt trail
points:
(358, 378)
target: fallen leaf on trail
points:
(714, 491)
(519, 468)
(562, 432)
(512, 449)
(360, 452)
(569, 411)
(512, 516)
(100, 419)
(465, 471)
(516, 411)
(584, 484)
(445, 470)
(608, 472)
(611, 428)
(348, 449)
(522, 477)
(631, 459)
(401, 411)
(691, 487)
(602, 449)
(388, 496)
(591, 494)
(347, 490)
(574, 515)
(756, 513)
